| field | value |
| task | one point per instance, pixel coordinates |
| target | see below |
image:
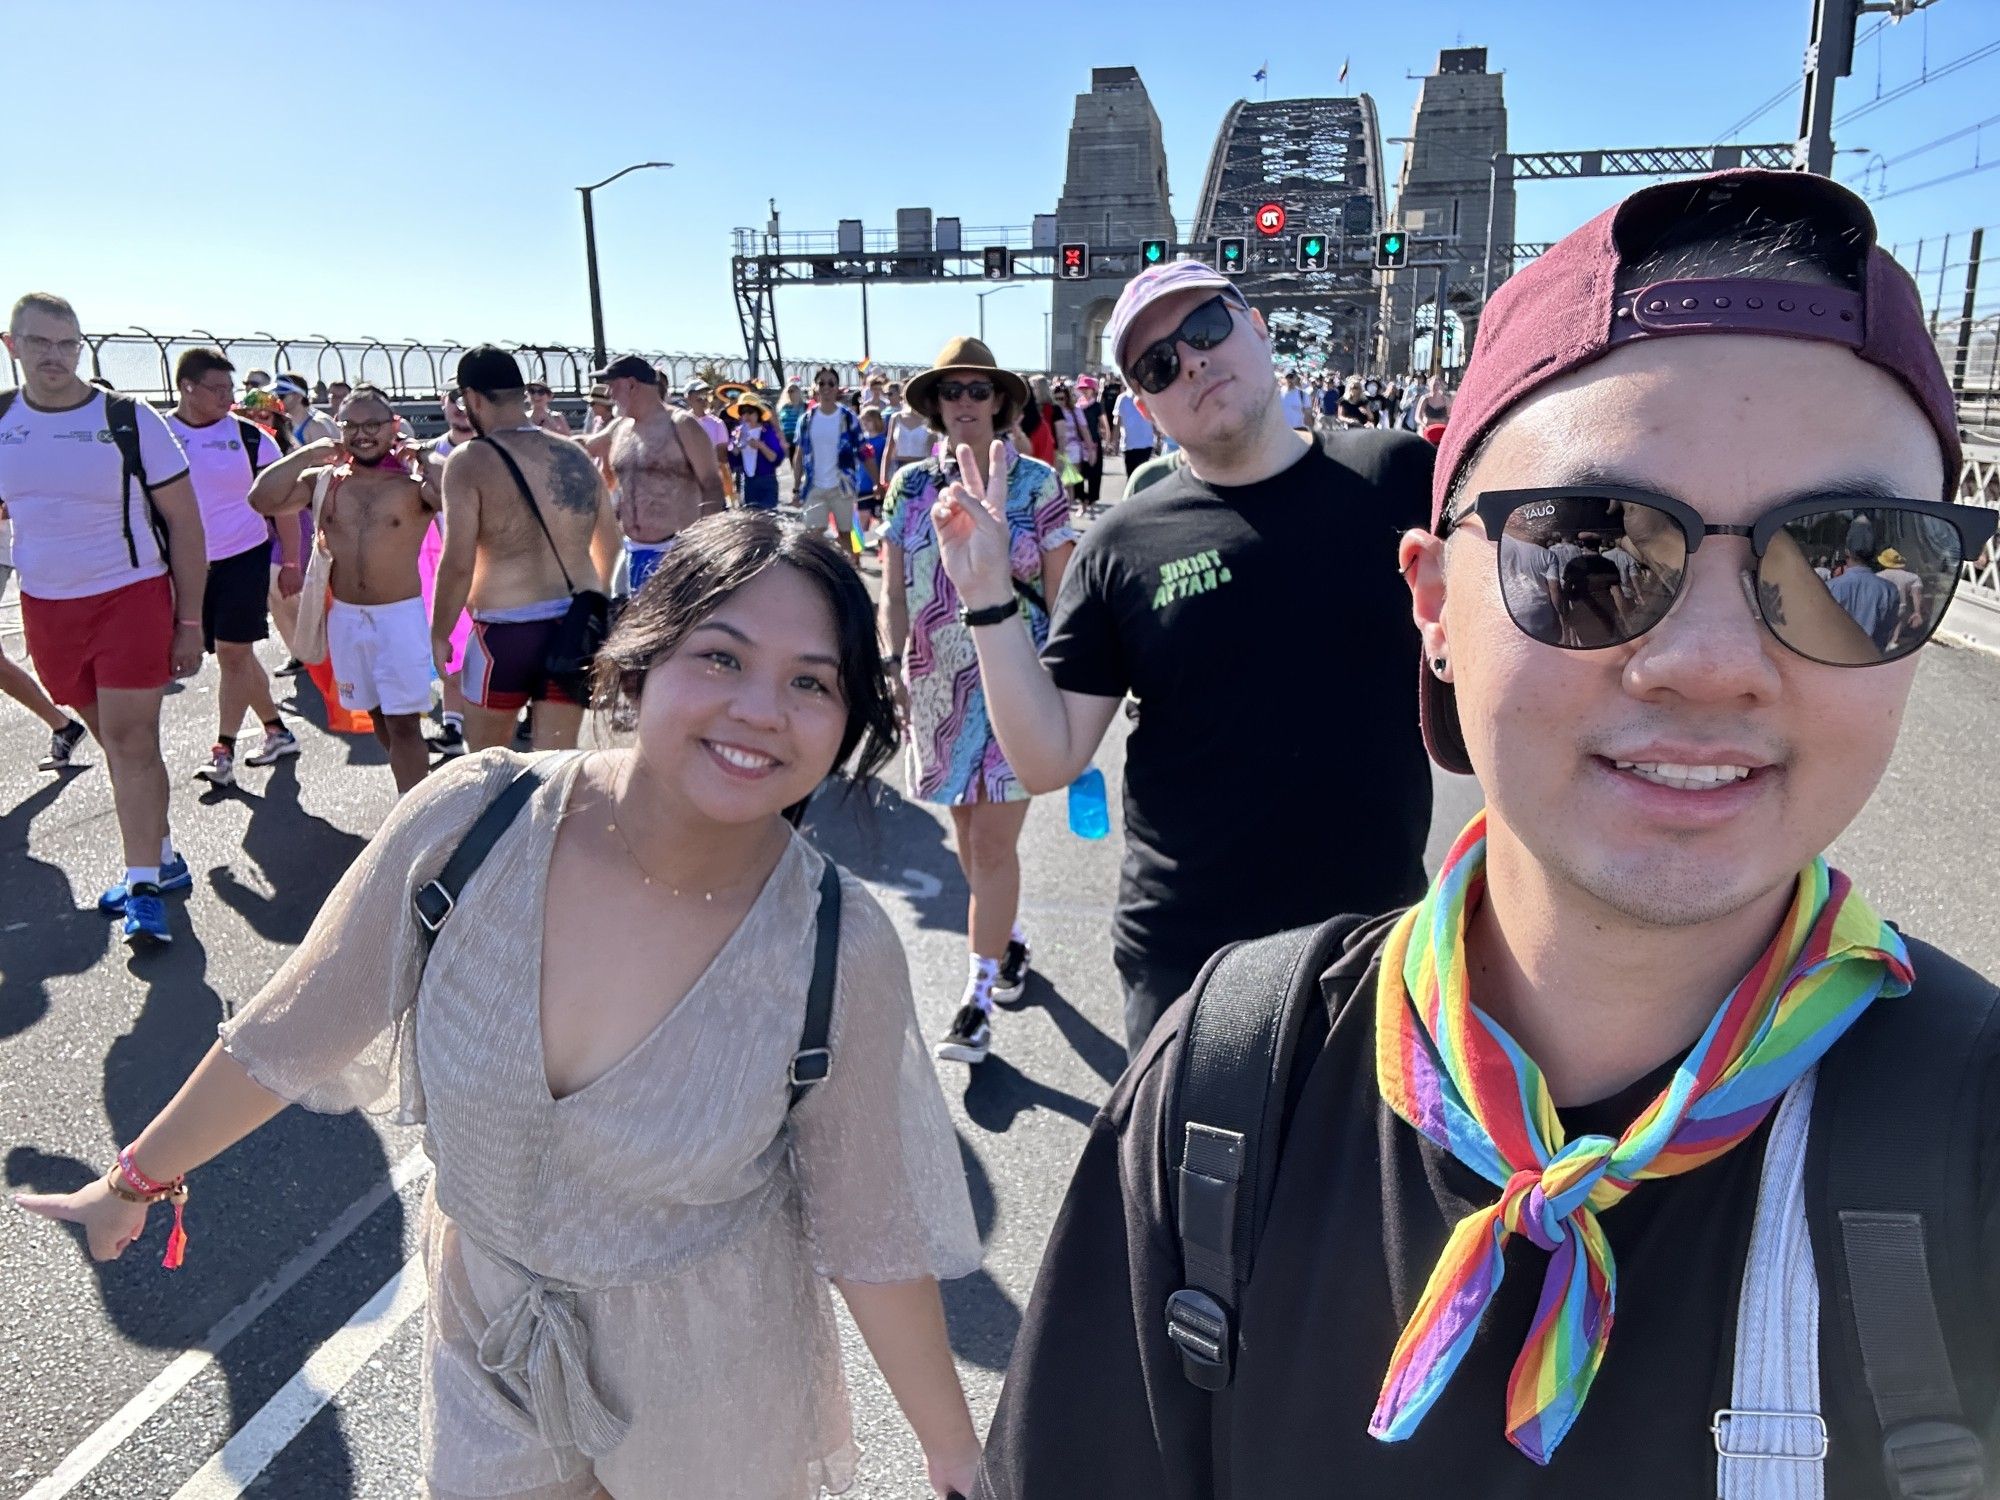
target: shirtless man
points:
(374, 500)
(517, 581)
(553, 422)
(665, 463)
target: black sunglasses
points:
(952, 390)
(1846, 581)
(1158, 365)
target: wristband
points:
(992, 614)
(190, 624)
(137, 1187)
(893, 662)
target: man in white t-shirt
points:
(225, 453)
(696, 394)
(1293, 401)
(1134, 431)
(107, 627)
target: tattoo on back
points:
(574, 478)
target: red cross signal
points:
(1074, 262)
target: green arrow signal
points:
(1313, 247)
(1156, 251)
(1393, 243)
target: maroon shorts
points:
(122, 640)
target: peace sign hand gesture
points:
(973, 537)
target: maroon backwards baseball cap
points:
(1565, 310)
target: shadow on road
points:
(982, 1318)
(251, 1209)
(886, 840)
(53, 937)
(998, 1093)
(1104, 1054)
(301, 857)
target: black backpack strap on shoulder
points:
(813, 1062)
(121, 418)
(521, 480)
(1892, 1194)
(1223, 1123)
(436, 899)
(7, 400)
(252, 444)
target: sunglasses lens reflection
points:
(1861, 584)
(1584, 572)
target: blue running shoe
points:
(173, 877)
(146, 917)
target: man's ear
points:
(1420, 556)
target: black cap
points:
(628, 367)
(489, 368)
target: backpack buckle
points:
(1934, 1461)
(1797, 1436)
(1199, 1328)
(433, 903)
(814, 1065)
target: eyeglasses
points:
(953, 390)
(368, 429)
(36, 346)
(456, 395)
(1846, 581)
(1158, 365)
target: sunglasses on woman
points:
(1846, 581)
(952, 390)
(1158, 365)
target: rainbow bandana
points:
(1452, 1072)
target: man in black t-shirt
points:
(1631, 1048)
(1249, 602)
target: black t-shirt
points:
(1277, 773)
(1095, 1402)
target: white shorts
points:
(381, 655)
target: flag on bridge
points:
(1261, 74)
(1343, 70)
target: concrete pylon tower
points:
(1114, 195)
(1459, 123)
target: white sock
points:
(454, 721)
(981, 972)
(141, 875)
(1019, 935)
(167, 850)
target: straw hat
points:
(962, 353)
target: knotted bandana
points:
(1454, 1073)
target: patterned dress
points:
(955, 758)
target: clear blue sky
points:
(419, 165)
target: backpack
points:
(121, 417)
(436, 899)
(1892, 1191)
(251, 444)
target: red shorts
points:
(122, 640)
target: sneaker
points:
(970, 1037)
(173, 877)
(1013, 975)
(62, 745)
(278, 743)
(292, 667)
(449, 741)
(146, 918)
(220, 769)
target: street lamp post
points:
(982, 296)
(590, 255)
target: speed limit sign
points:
(1271, 219)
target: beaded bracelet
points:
(137, 1187)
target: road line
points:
(170, 1382)
(261, 1439)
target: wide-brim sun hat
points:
(750, 400)
(962, 353)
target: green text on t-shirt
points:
(1187, 576)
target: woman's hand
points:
(109, 1222)
(952, 1474)
(974, 540)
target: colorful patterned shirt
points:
(955, 757)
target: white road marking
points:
(170, 1382)
(246, 1455)
(915, 885)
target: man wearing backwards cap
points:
(527, 568)
(664, 461)
(1250, 605)
(1637, 1047)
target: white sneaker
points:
(220, 769)
(970, 1037)
(278, 743)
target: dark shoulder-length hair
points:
(712, 560)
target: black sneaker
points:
(1013, 975)
(62, 745)
(970, 1037)
(292, 667)
(448, 741)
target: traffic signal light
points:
(1359, 218)
(1230, 253)
(999, 264)
(1073, 262)
(1392, 250)
(1312, 252)
(1152, 253)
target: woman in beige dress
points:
(628, 1236)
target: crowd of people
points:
(671, 1071)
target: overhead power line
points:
(1943, 140)
(1785, 93)
(1914, 84)
(1948, 177)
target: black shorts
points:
(235, 606)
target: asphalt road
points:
(91, 1044)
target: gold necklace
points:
(640, 865)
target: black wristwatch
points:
(993, 614)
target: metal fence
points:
(1979, 484)
(141, 362)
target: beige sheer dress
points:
(627, 1284)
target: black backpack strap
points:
(436, 899)
(1892, 1195)
(1223, 1123)
(7, 400)
(122, 418)
(813, 1062)
(535, 509)
(252, 446)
